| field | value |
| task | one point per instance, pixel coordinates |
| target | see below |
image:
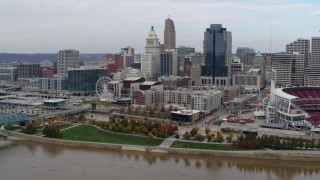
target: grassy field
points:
(65, 126)
(195, 145)
(9, 127)
(93, 134)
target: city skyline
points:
(36, 26)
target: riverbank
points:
(312, 156)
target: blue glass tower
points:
(214, 48)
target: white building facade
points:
(150, 60)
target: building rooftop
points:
(279, 92)
(54, 100)
(132, 78)
(149, 83)
(186, 112)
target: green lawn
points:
(65, 126)
(93, 134)
(10, 127)
(195, 145)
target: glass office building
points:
(84, 79)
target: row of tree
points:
(252, 141)
(52, 131)
(157, 128)
(148, 110)
(209, 135)
(30, 129)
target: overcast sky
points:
(94, 26)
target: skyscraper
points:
(301, 46)
(217, 48)
(169, 63)
(150, 63)
(242, 51)
(289, 69)
(311, 76)
(69, 58)
(169, 35)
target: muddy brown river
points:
(34, 161)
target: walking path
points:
(167, 142)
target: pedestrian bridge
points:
(6, 118)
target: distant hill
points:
(38, 57)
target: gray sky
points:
(92, 26)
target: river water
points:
(34, 161)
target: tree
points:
(312, 144)
(194, 131)
(219, 137)
(113, 127)
(129, 109)
(207, 130)
(82, 118)
(136, 129)
(122, 109)
(300, 143)
(230, 137)
(52, 132)
(209, 137)
(199, 137)
(186, 135)
(151, 112)
(154, 131)
(145, 131)
(30, 129)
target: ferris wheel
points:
(104, 89)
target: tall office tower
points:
(311, 76)
(84, 78)
(68, 58)
(242, 51)
(150, 62)
(217, 47)
(169, 35)
(315, 50)
(289, 69)
(169, 63)
(301, 46)
(182, 52)
(128, 56)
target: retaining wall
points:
(261, 154)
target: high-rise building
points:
(217, 47)
(128, 56)
(301, 46)
(169, 63)
(289, 69)
(150, 60)
(183, 51)
(169, 35)
(68, 58)
(311, 76)
(315, 50)
(84, 78)
(242, 51)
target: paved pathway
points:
(167, 142)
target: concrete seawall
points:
(296, 155)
